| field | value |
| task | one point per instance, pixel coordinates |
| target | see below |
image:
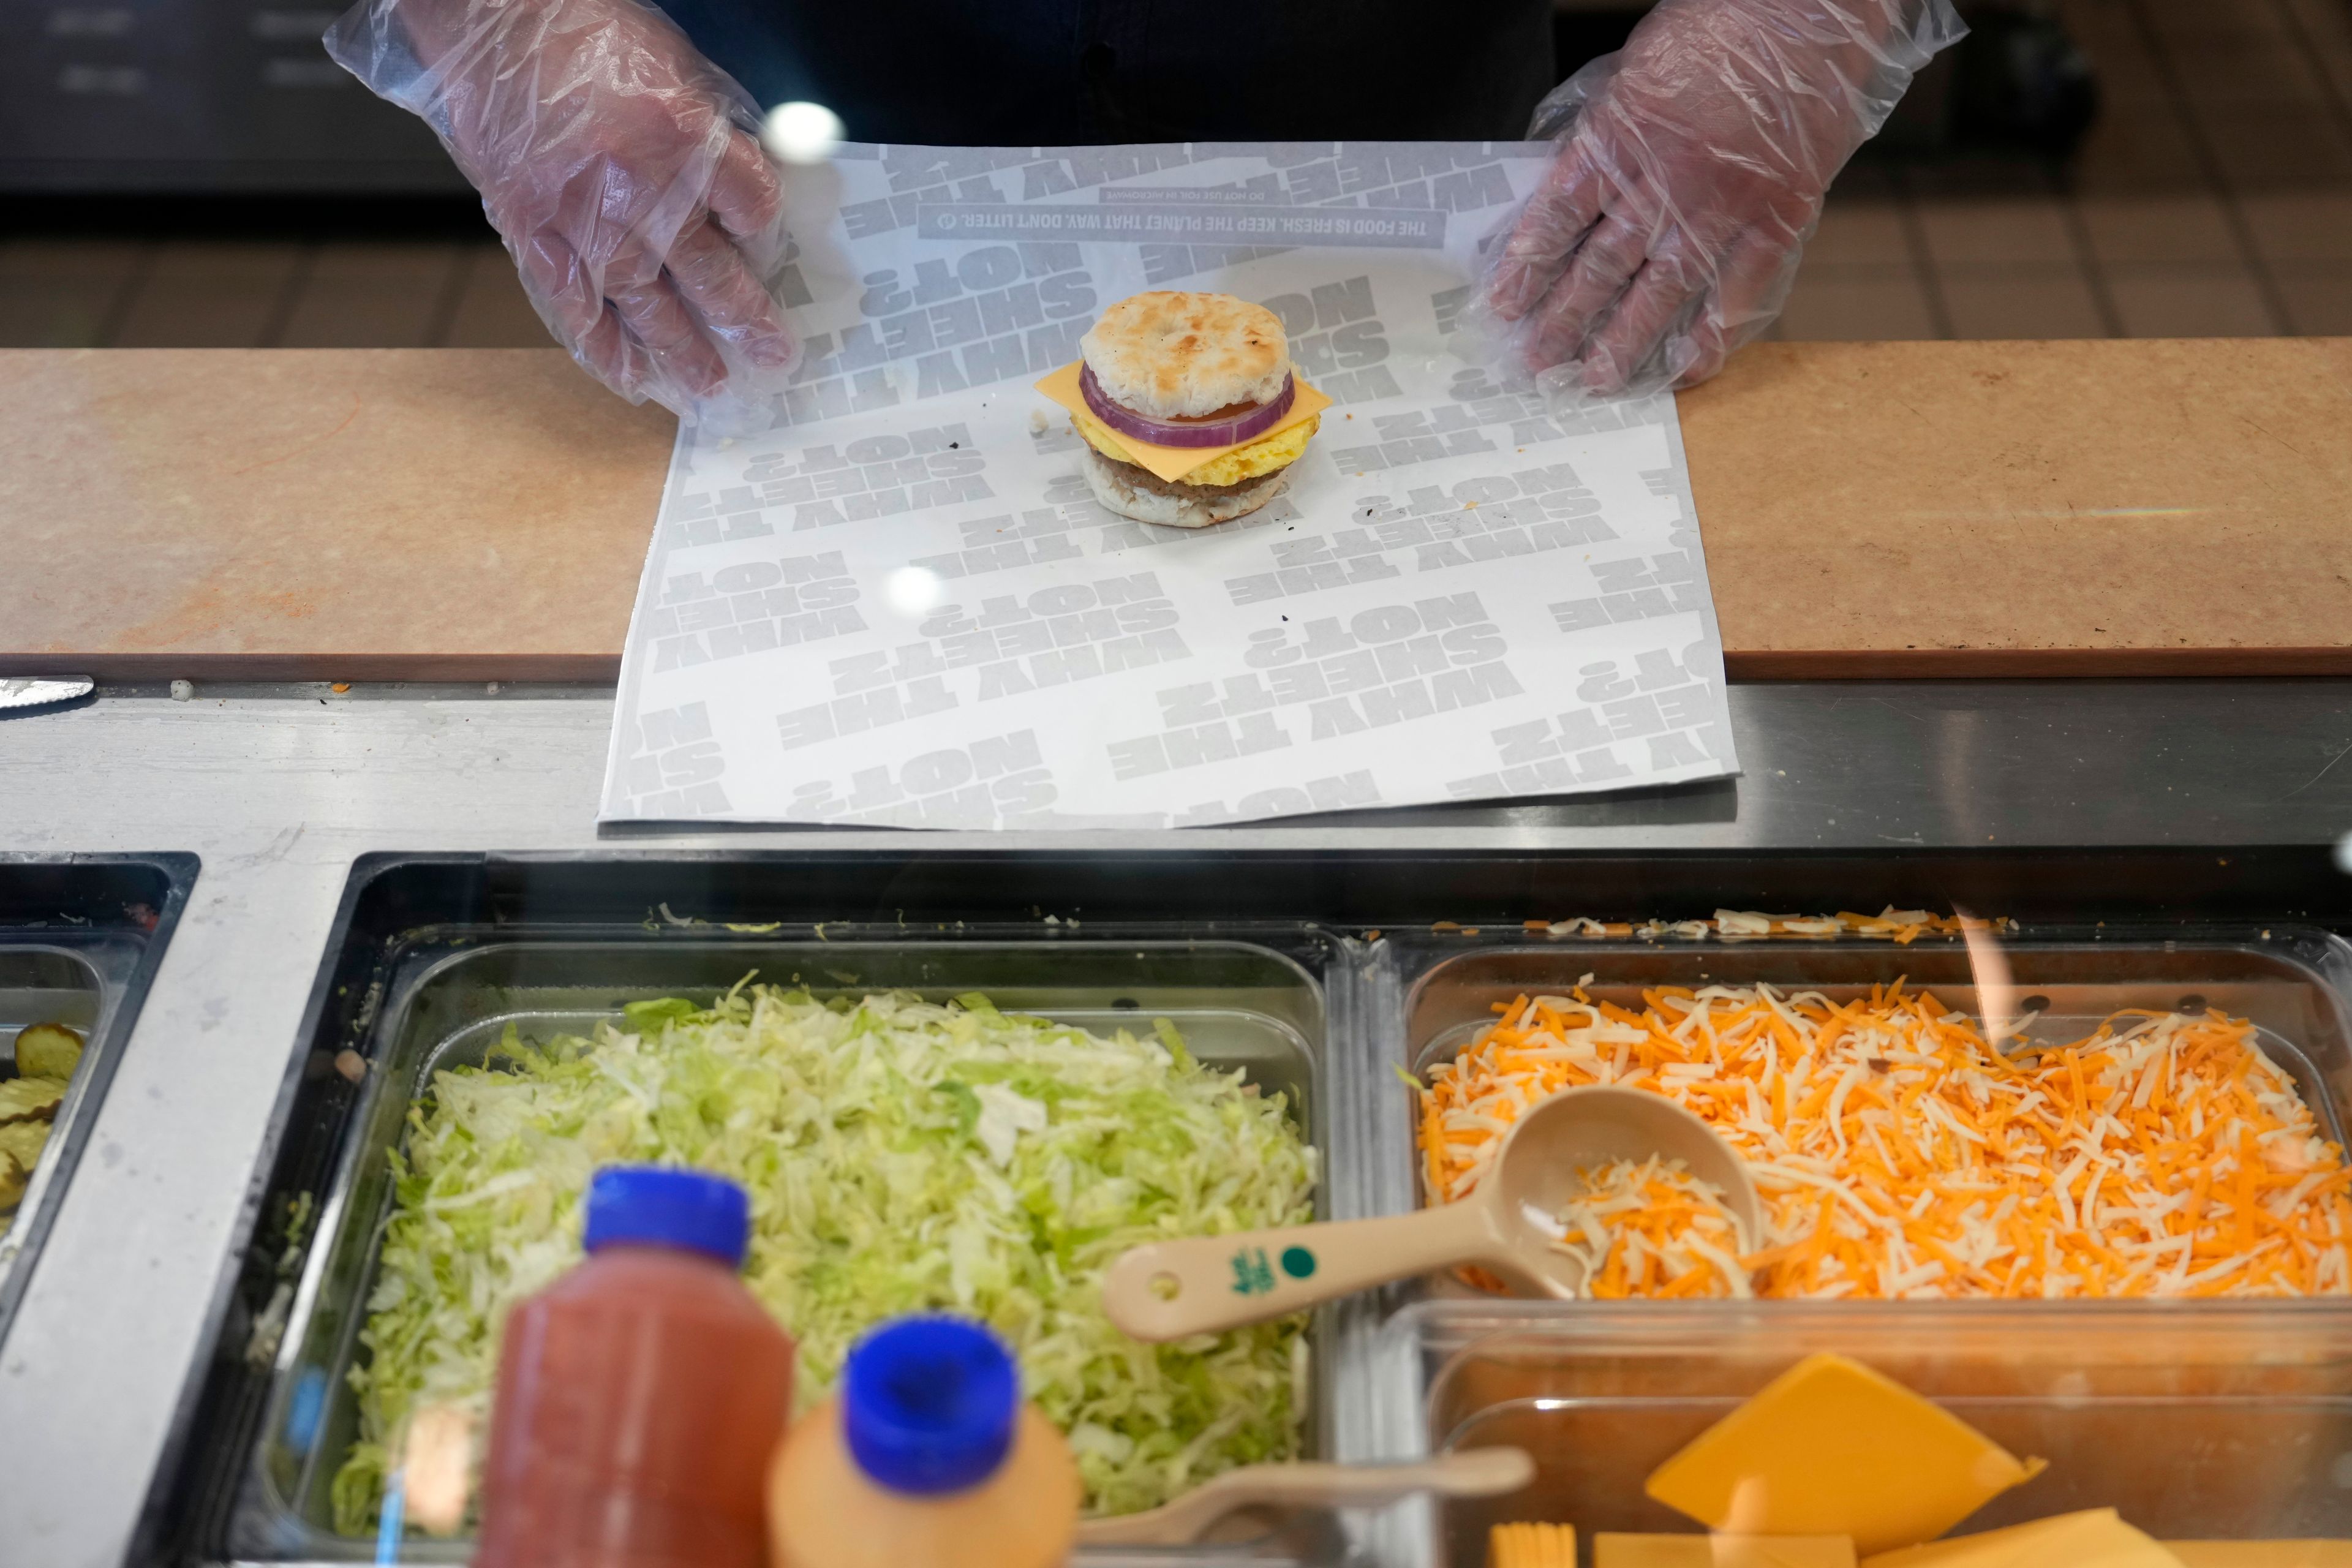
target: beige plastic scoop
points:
(1471, 1472)
(1171, 1289)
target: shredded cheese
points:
(1900, 1156)
(1649, 1227)
(1901, 927)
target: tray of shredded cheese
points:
(2136, 1118)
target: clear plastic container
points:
(447, 994)
(2198, 1420)
(2295, 985)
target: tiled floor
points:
(2214, 197)
(204, 293)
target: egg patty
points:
(1275, 451)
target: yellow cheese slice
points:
(1531, 1546)
(1831, 1448)
(1610, 1551)
(1172, 463)
(2094, 1538)
(2262, 1553)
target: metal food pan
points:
(2227, 1421)
(79, 940)
(2200, 1419)
(1365, 926)
(2295, 984)
(446, 999)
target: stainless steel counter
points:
(278, 789)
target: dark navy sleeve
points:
(1074, 72)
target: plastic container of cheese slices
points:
(2198, 1419)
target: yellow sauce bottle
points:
(924, 1455)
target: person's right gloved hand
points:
(624, 173)
(1690, 173)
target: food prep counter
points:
(1951, 510)
(388, 872)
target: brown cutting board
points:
(329, 514)
(1868, 510)
(2075, 507)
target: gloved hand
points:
(1690, 174)
(624, 173)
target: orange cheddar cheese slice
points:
(2262, 1553)
(1172, 463)
(1531, 1546)
(1613, 1551)
(1831, 1448)
(2094, 1537)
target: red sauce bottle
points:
(641, 1395)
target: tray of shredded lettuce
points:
(902, 1156)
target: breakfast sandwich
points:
(1189, 407)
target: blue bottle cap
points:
(927, 1404)
(657, 1206)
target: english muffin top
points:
(1170, 355)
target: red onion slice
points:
(1162, 433)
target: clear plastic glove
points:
(623, 171)
(1690, 174)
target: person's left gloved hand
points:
(1690, 173)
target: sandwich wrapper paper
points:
(902, 605)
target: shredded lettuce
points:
(902, 1156)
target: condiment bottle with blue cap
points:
(640, 1396)
(926, 1455)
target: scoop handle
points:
(1200, 1285)
(1465, 1473)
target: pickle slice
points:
(22, 1142)
(48, 1050)
(29, 1098)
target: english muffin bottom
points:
(1144, 495)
